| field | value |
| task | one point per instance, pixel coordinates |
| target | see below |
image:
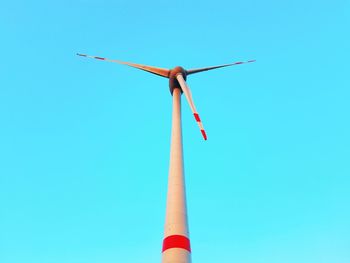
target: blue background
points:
(84, 144)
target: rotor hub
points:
(173, 83)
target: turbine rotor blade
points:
(157, 71)
(188, 96)
(193, 71)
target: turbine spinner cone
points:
(173, 82)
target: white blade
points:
(193, 71)
(188, 96)
(158, 71)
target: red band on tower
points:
(176, 241)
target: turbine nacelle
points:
(173, 82)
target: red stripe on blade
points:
(237, 63)
(204, 134)
(196, 116)
(100, 58)
(176, 241)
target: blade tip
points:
(204, 135)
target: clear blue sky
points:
(84, 144)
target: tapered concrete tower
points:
(176, 243)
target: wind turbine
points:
(176, 242)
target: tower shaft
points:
(176, 243)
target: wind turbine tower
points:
(176, 243)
